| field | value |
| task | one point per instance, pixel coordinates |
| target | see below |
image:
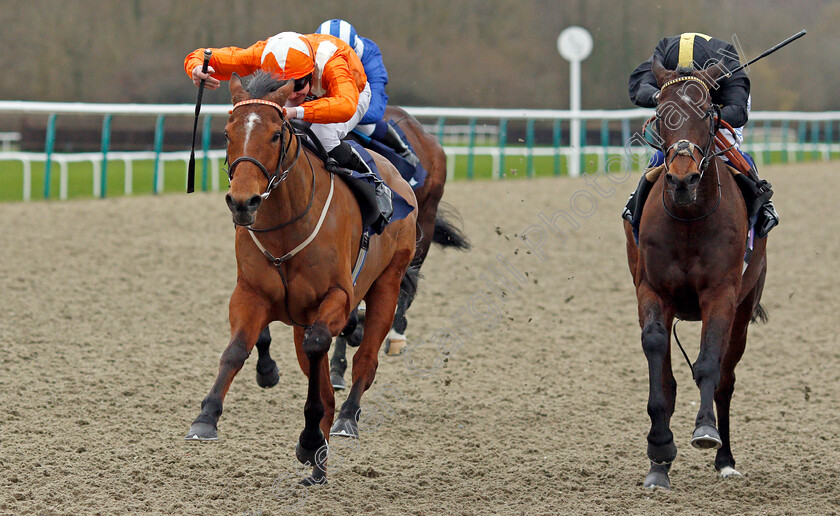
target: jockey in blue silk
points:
(373, 124)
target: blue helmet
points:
(343, 31)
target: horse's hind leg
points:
(655, 341)
(396, 341)
(248, 317)
(338, 363)
(311, 347)
(267, 373)
(381, 302)
(724, 461)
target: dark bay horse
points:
(298, 269)
(689, 265)
(433, 225)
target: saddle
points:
(415, 176)
(361, 185)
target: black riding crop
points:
(191, 168)
(767, 52)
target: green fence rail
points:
(479, 143)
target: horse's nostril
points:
(252, 204)
(670, 178)
(694, 178)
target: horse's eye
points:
(276, 137)
(227, 138)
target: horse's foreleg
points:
(267, 373)
(381, 302)
(724, 461)
(718, 312)
(655, 325)
(312, 346)
(248, 316)
(669, 383)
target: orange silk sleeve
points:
(226, 61)
(341, 100)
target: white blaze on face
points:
(253, 120)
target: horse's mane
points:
(262, 83)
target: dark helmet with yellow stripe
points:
(691, 51)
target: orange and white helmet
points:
(288, 55)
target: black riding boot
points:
(346, 157)
(392, 139)
(760, 209)
(633, 209)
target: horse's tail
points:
(448, 234)
(759, 314)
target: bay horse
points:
(296, 265)
(689, 265)
(434, 224)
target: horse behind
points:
(433, 225)
(689, 265)
(309, 227)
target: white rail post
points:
(27, 179)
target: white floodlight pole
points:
(575, 45)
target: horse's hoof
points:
(729, 472)
(658, 476)
(313, 481)
(337, 381)
(345, 427)
(354, 340)
(315, 457)
(395, 344)
(202, 432)
(706, 437)
(269, 379)
(662, 454)
(318, 478)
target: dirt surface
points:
(115, 313)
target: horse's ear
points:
(282, 93)
(659, 71)
(237, 93)
(712, 73)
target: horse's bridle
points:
(279, 174)
(686, 147)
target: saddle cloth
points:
(416, 176)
